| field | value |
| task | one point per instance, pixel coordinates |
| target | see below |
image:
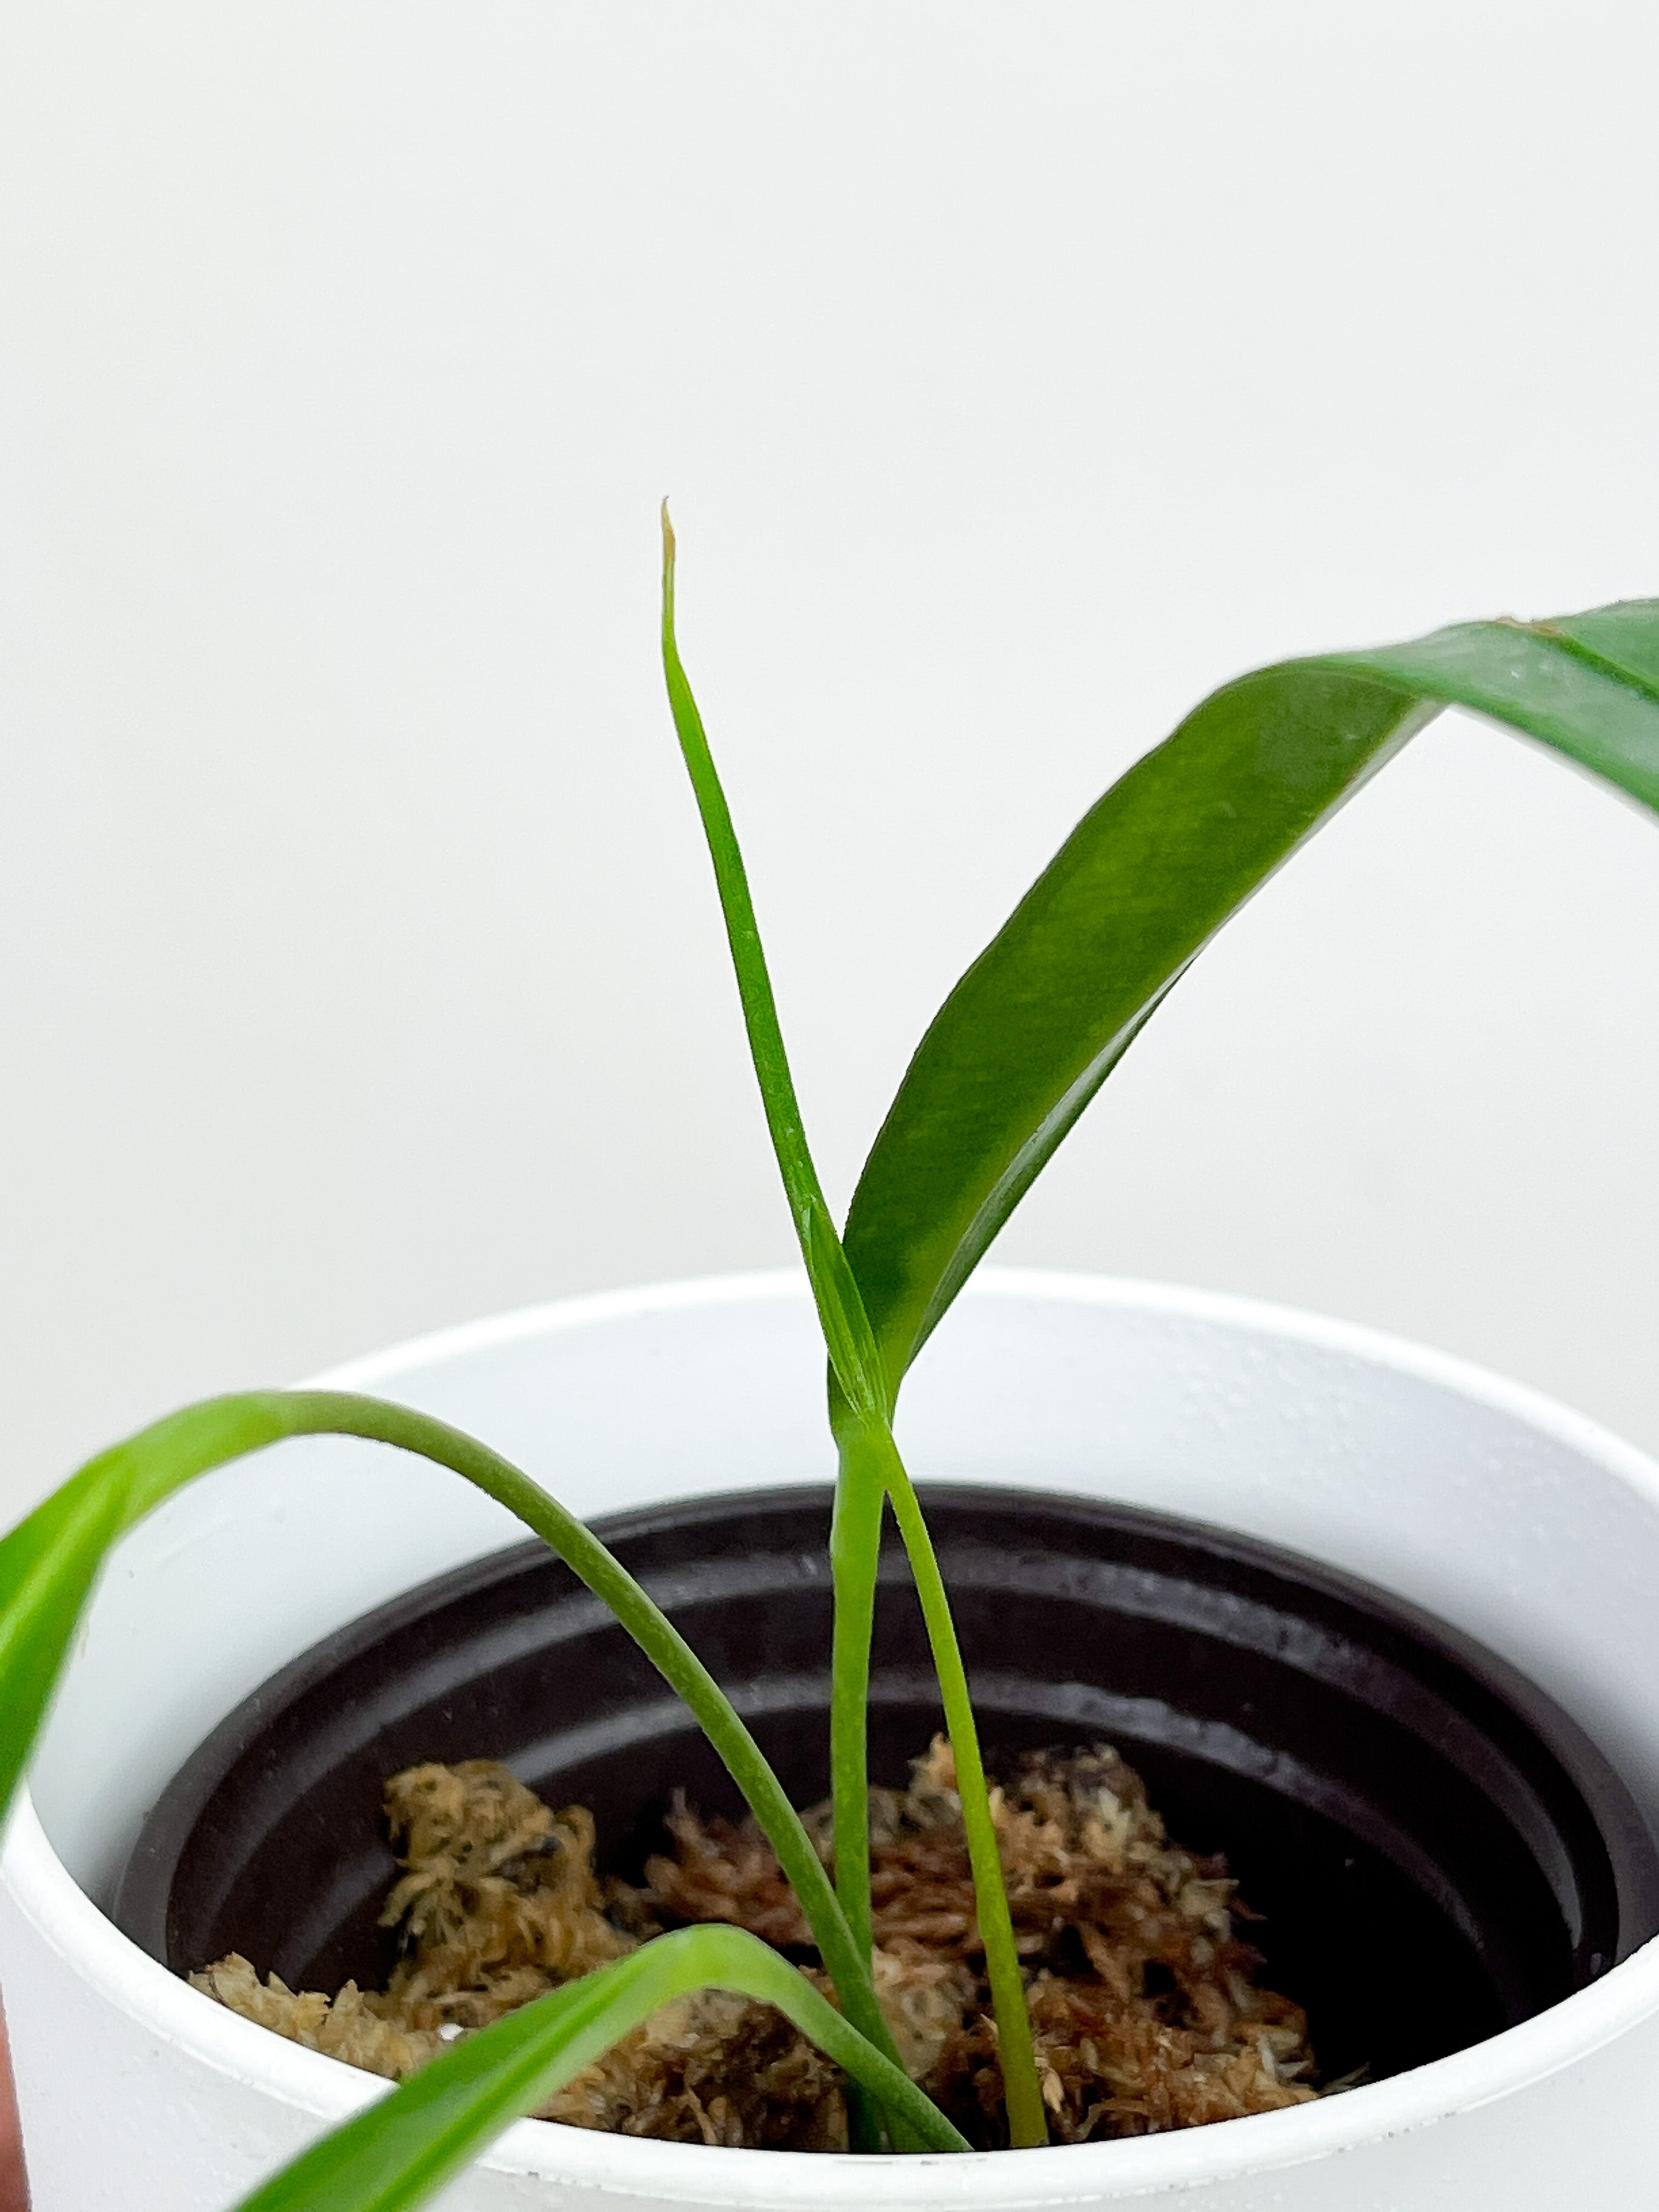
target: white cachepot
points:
(1510, 1517)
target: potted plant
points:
(1009, 1063)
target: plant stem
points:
(1027, 2124)
(854, 1555)
(852, 1348)
(861, 1400)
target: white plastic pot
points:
(1512, 1518)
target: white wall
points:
(1018, 373)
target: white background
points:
(1018, 373)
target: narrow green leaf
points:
(869, 1463)
(48, 1563)
(1165, 858)
(393, 2156)
(841, 1310)
(854, 1558)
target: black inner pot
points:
(1436, 1849)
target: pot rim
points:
(1565, 2034)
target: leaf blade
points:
(846, 1327)
(393, 2156)
(1155, 867)
(1162, 862)
(48, 1563)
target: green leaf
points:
(871, 1467)
(846, 1328)
(394, 2155)
(1150, 873)
(857, 1387)
(48, 1563)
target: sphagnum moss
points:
(1147, 2013)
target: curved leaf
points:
(1169, 854)
(49, 1561)
(394, 2155)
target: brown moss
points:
(1142, 2003)
(498, 1901)
(352, 2026)
(712, 2068)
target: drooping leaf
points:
(1169, 854)
(49, 1562)
(394, 2155)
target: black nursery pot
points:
(1437, 1851)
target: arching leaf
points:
(1152, 872)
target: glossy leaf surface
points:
(1169, 854)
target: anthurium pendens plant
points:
(1018, 1050)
